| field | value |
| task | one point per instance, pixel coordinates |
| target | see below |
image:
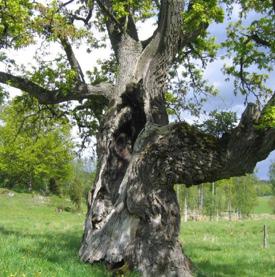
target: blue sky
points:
(226, 98)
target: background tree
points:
(263, 187)
(245, 197)
(54, 186)
(84, 174)
(219, 123)
(34, 152)
(76, 193)
(214, 202)
(133, 217)
(272, 176)
(229, 195)
(188, 200)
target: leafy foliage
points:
(31, 151)
(15, 23)
(219, 123)
(249, 58)
(202, 12)
(268, 118)
(251, 44)
(76, 193)
(140, 9)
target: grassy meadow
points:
(230, 248)
(263, 206)
(38, 240)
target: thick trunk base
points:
(139, 232)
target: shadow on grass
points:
(56, 248)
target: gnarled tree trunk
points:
(133, 218)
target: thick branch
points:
(179, 153)
(170, 25)
(170, 35)
(44, 96)
(167, 35)
(157, 57)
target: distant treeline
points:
(231, 198)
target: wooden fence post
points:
(265, 237)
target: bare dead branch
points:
(72, 59)
(67, 3)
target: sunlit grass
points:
(36, 240)
(230, 248)
(263, 205)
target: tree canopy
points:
(249, 47)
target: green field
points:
(230, 248)
(37, 240)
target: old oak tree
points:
(133, 214)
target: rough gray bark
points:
(133, 215)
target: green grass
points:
(230, 248)
(36, 240)
(263, 206)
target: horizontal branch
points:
(180, 153)
(44, 96)
(259, 40)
